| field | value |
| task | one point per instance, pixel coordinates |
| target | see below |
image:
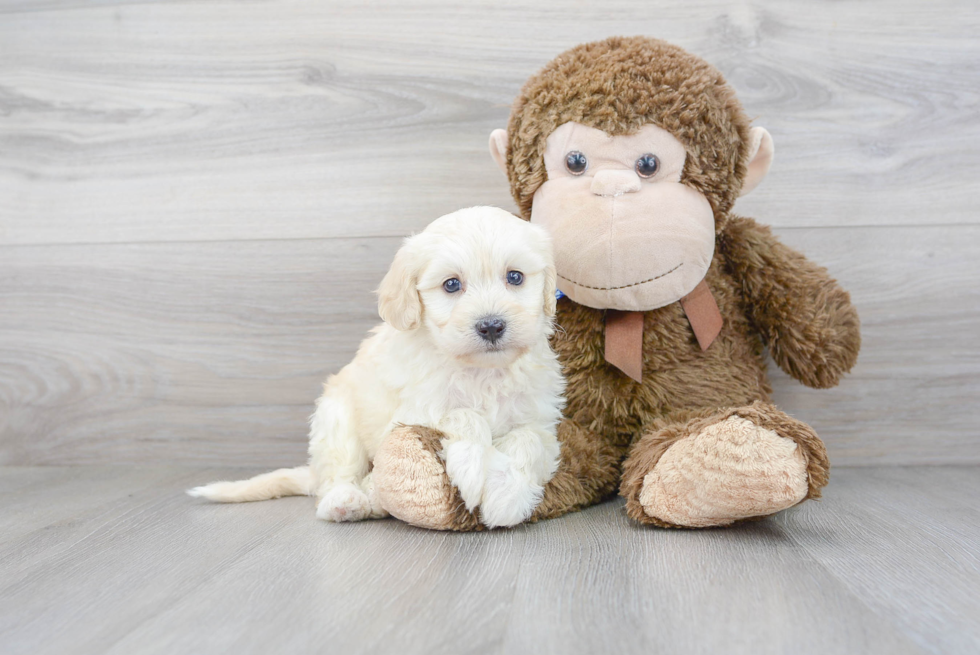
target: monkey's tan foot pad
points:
(411, 482)
(730, 470)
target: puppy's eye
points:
(515, 278)
(452, 285)
(576, 163)
(647, 165)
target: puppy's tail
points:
(284, 482)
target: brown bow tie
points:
(624, 330)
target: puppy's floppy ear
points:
(550, 289)
(544, 246)
(399, 302)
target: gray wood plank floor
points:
(118, 560)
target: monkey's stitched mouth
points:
(625, 286)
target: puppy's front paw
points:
(509, 496)
(343, 502)
(465, 466)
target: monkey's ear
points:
(399, 302)
(498, 149)
(759, 160)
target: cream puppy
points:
(468, 307)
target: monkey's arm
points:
(807, 320)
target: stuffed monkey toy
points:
(632, 152)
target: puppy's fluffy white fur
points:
(498, 403)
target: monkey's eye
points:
(515, 277)
(647, 165)
(576, 163)
(452, 285)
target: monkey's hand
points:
(411, 483)
(807, 320)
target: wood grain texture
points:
(885, 564)
(906, 541)
(197, 198)
(214, 352)
(912, 398)
(131, 121)
(44, 504)
(182, 352)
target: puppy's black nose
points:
(490, 328)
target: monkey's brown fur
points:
(770, 296)
(618, 86)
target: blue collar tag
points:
(558, 295)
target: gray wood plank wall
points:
(196, 200)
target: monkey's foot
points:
(718, 470)
(411, 483)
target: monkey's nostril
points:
(490, 328)
(615, 183)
